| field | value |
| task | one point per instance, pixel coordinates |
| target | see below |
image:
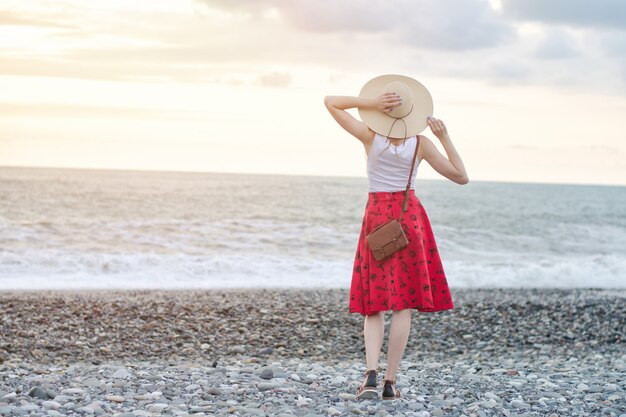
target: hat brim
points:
(381, 122)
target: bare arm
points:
(337, 105)
(452, 167)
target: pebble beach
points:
(293, 352)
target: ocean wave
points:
(58, 270)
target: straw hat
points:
(417, 105)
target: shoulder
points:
(424, 140)
(425, 145)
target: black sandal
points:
(390, 392)
(367, 390)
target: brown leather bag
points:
(389, 237)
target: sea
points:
(123, 229)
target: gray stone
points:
(266, 373)
(92, 382)
(121, 373)
(339, 380)
(491, 403)
(265, 386)
(237, 349)
(6, 410)
(214, 391)
(519, 404)
(40, 393)
(73, 391)
(332, 411)
(115, 398)
(51, 404)
(415, 406)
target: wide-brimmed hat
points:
(409, 118)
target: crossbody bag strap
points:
(408, 184)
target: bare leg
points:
(373, 331)
(398, 337)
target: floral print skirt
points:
(412, 277)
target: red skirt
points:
(412, 277)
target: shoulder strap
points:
(408, 184)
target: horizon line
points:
(286, 174)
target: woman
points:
(413, 277)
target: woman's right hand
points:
(387, 101)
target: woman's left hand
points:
(438, 128)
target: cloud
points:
(584, 13)
(11, 109)
(234, 41)
(555, 44)
(614, 42)
(509, 70)
(7, 18)
(429, 24)
(85, 69)
(275, 79)
(456, 25)
(320, 16)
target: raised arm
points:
(451, 167)
(337, 106)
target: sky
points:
(530, 90)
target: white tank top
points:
(389, 171)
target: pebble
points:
(264, 386)
(51, 404)
(38, 392)
(298, 353)
(339, 381)
(121, 373)
(115, 398)
(332, 411)
(519, 404)
(267, 373)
